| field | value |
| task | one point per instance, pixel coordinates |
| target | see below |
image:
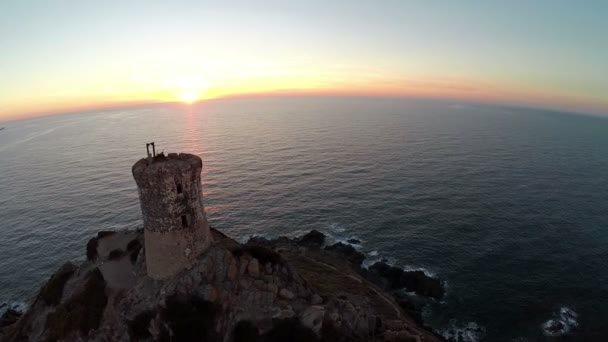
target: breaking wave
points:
(463, 331)
(562, 323)
(17, 306)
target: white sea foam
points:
(17, 306)
(408, 268)
(335, 234)
(424, 270)
(354, 244)
(244, 238)
(336, 228)
(463, 331)
(373, 257)
(562, 323)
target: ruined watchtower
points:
(175, 225)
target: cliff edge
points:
(264, 290)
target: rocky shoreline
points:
(280, 289)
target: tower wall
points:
(175, 225)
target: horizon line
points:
(71, 110)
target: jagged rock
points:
(133, 248)
(347, 251)
(231, 293)
(273, 289)
(395, 278)
(313, 239)
(82, 312)
(92, 249)
(254, 268)
(312, 318)
(262, 253)
(286, 294)
(244, 264)
(52, 292)
(284, 314)
(93, 243)
(232, 271)
(9, 317)
(316, 299)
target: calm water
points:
(507, 205)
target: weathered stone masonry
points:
(175, 224)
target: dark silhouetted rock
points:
(265, 290)
(105, 233)
(354, 241)
(189, 319)
(290, 329)
(313, 239)
(92, 249)
(9, 317)
(139, 327)
(394, 278)
(263, 254)
(245, 331)
(94, 242)
(53, 290)
(116, 254)
(82, 312)
(348, 251)
(134, 247)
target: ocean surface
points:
(508, 206)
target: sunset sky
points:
(69, 55)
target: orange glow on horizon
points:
(310, 86)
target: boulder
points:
(286, 294)
(312, 318)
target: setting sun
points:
(189, 96)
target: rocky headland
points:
(284, 289)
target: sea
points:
(507, 206)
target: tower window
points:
(184, 221)
(179, 188)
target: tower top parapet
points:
(172, 160)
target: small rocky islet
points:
(283, 289)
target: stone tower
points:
(175, 225)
